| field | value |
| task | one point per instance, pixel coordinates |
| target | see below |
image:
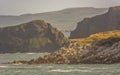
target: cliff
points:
(105, 22)
(64, 20)
(34, 36)
(100, 48)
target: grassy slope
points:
(97, 37)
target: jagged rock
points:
(103, 48)
(34, 36)
(105, 22)
(103, 52)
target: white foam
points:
(102, 68)
(3, 66)
(30, 53)
(71, 70)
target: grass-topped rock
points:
(34, 36)
(99, 48)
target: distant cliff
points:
(99, 23)
(63, 20)
(34, 36)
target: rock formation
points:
(103, 52)
(100, 48)
(34, 36)
(106, 22)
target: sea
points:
(52, 69)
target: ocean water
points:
(53, 69)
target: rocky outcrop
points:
(65, 55)
(106, 22)
(103, 52)
(95, 49)
(34, 36)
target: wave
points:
(71, 70)
(3, 66)
(30, 53)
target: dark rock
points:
(34, 36)
(104, 50)
(105, 22)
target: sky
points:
(18, 7)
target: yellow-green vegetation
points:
(34, 36)
(102, 46)
(97, 37)
(39, 42)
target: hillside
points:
(34, 36)
(100, 48)
(64, 20)
(105, 22)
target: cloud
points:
(36, 6)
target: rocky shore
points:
(100, 48)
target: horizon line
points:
(54, 11)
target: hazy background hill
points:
(105, 22)
(64, 20)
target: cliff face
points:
(35, 36)
(100, 48)
(105, 22)
(103, 52)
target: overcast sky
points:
(17, 7)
